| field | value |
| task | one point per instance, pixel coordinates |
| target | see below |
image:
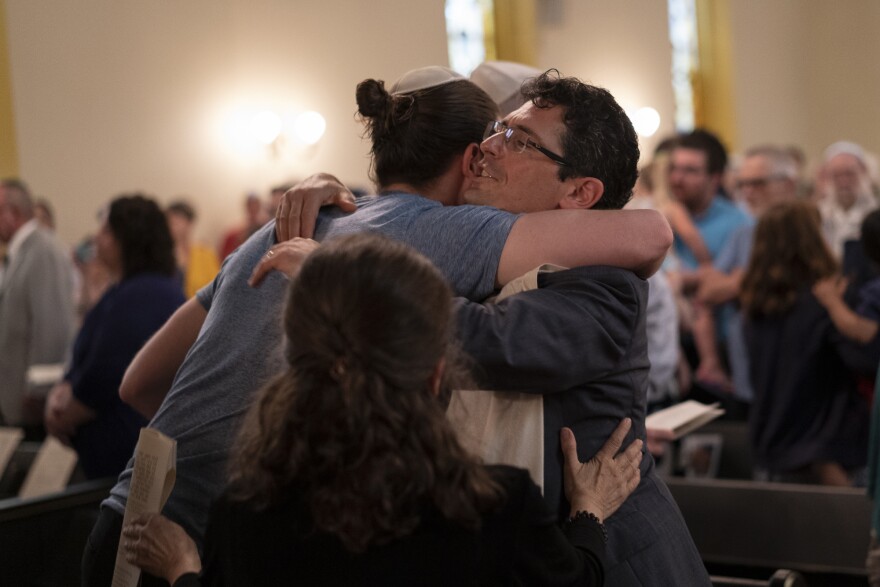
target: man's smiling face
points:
(526, 181)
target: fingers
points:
(263, 268)
(294, 214)
(632, 456)
(344, 200)
(286, 257)
(615, 441)
(282, 230)
(569, 448)
(308, 218)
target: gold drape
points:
(8, 153)
(514, 31)
(714, 107)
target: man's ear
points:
(471, 153)
(584, 193)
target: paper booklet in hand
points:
(683, 418)
(155, 461)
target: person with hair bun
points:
(84, 409)
(347, 471)
(199, 373)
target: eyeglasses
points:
(758, 183)
(518, 141)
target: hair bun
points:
(373, 99)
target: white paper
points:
(683, 418)
(151, 483)
(9, 441)
(45, 374)
(50, 471)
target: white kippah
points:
(502, 79)
(424, 78)
(846, 148)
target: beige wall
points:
(622, 45)
(806, 72)
(114, 95)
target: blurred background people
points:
(255, 217)
(807, 422)
(36, 305)
(767, 175)
(44, 214)
(847, 194)
(84, 410)
(92, 276)
(197, 263)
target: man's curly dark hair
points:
(599, 140)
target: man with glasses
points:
(578, 340)
(696, 170)
(768, 176)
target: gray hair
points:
(778, 159)
(18, 196)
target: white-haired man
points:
(848, 194)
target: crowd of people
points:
(345, 440)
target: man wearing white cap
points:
(848, 194)
(503, 81)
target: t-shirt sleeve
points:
(736, 251)
(465, 243)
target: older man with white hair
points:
(848, 193)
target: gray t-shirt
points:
(239, 347)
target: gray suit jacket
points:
(36, 316)
(580, 341)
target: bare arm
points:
(632, 239)
(716, 287)
(151, 372)
(685, 228)
(829, 292)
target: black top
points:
(519, 544)
(806, 408)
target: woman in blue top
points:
(84, 410)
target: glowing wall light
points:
(646, 121)
(309, 127)
(265, 127)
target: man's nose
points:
(493, 145)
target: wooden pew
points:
(42, 539)
(807, 528)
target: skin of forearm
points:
(851, 325)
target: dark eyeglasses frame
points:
(499, 127)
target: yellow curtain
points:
(713, 81)
(514, 32)
(8, 153)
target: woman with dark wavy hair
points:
(808, 424)
(84, 410)
(347, 471)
